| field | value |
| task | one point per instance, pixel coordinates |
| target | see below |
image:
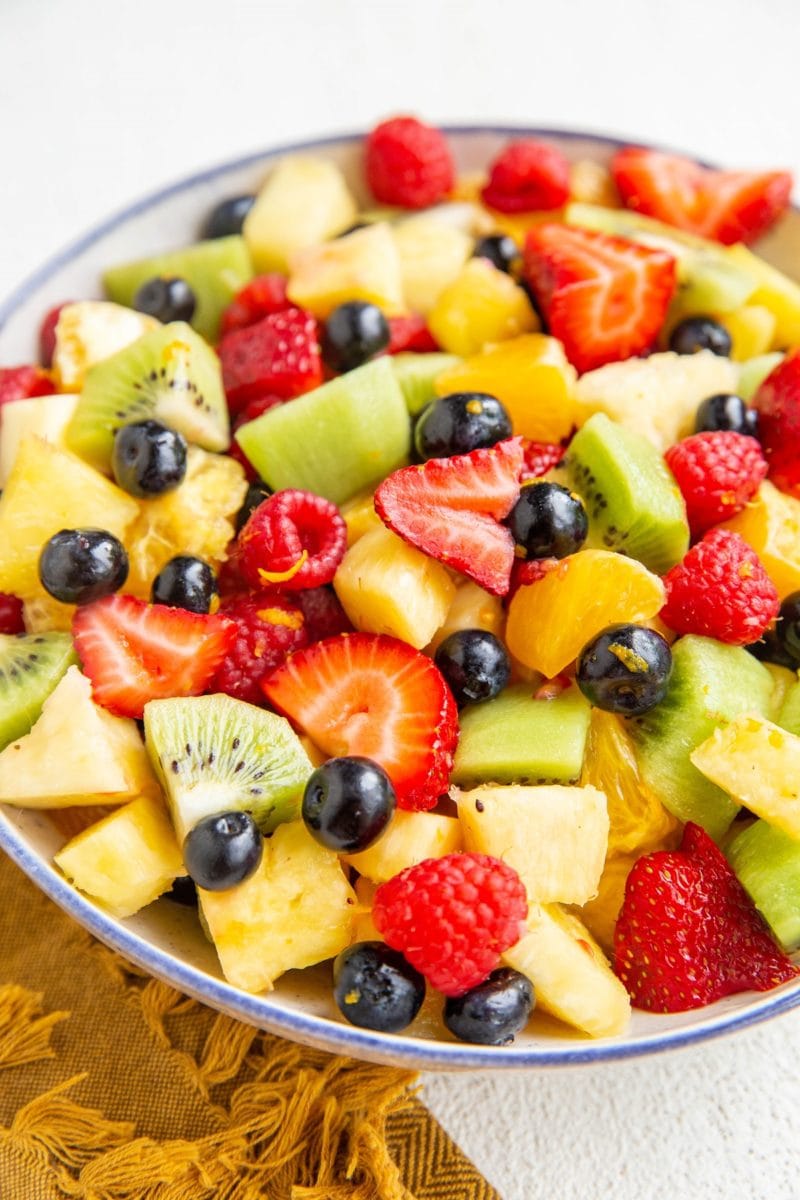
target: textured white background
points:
(102, 101)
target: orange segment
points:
(771, 525)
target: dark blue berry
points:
(548, 521)
(227, 218)
(475, 665)
(353, 334)
(256, 494)
(77, 566)
(166, 299)
(460, 423)
(625, 669)
(223, 850)
(726, 411)
(347, 803)
(494, 1012)
(782, 644)
(700, 333)
(183, 892)
(501, 251)
(375, 988)
(185, 582)
(148, 458)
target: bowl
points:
(165, 939)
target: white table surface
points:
(102, 102)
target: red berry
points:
(11, 614)
(278, 355)
(717, 473)
(23, 383)
(268, 628)
(324, 615)
(47, 334)
(254, 408)
(720, 590)
(528, 570)
(777, 403)
(452, 917)
(410, 333)
(408, 163)
(527, 176)
(294, 539)
(540, 457)
(259, 298)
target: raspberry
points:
(268, 629)
(410, 333)
(452, 917)
(294, 539)
(540, 457)
(717, 473)
(278, 355)
(527, 176)
(11, 614)
(720, 590)
(408, 163)
(259, 298)
(324, 615)
(254, 408)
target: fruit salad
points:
(418, 585)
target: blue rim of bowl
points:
(259, 1010)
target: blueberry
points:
(494, 1012)
(166, 299)
(185, 582)
(227, 218)
(375, 988)
(223, 850)
(782, 644)
(475, 665)
(727, 412)
(548, 521)
(353, 334)
(256, 494)
(183, 892)
(460, 423)
(148, 458)
(501, 251)
(700, 333)
(625, 669)
(347, 803)
(77, 566)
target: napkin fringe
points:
(24, 1030)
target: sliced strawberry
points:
(23, 383)
(410, 333)
(604, 297)
(259, 298)
(777, 402)
(375, 696)
(729, 206)
(278, 355)
(541, 457)
(47, 334)
(688, 933)
(451, 508)
(134, 652)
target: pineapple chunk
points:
(296, 910)
(752, 330)
(570, 974)
(776, 291)
(480, 306)
(360, 516)
(431, 257)
(554, 837)
(363, 266)
(364, 926)
(592, 183)
(89, 331)
(43, 613)
(410, 838)
(770, 523)
(127, 860)
(386, 586)
(304, 202)
(471, 608)
(45, 416)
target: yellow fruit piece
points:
(532, 378)
(771, 525)
(752, 330)
(42, 614)
(46, 417)
(363, 925)
(482, 305)
(360, 516)
(410, 838)
(471, 608)
(777, 292)
(126, 860)
(551, 620)
(592, 183)
(517, 225)
(89, 331)
(600, 914)
(363, 266)
(431, 257)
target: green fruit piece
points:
(622, 222)
(754, 371)
(710, 684)
(767, 863)
(216, 754)
(789, 712)
(31, 665)
(215, 270)
(516, 738)
(170, 374)
(783, 682)
(633, 502)
(416, 374)
(340, 439)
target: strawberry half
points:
(688, 933)
(777, 402)
(134, 652)
(451, 509)
(23, 383)
(373, 695)
(728, 206)
(604, 297)
(278, 355)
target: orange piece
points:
(771, 525)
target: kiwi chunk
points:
(754, 371)
(338, 440)
(789, 712)
(170, 374)
(710, 684)
(215, 270)
(767, 863)
(416, 374)
(216, 754)
(516, 738)
(633, 502)
(30, 667)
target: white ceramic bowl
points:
(166, 939)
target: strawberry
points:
(278, 355)
(47, 333)
(259, 298)
(728, 206)
(134, 652)
(541, 457)
(373, 695)
(23, 383)
(410, 333)
(451, 509)
(777, 403)
(688, 934)
(604, 297)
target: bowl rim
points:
(319, 1031)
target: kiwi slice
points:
(767, 862)
(338, 440)
(516, 738)
(30, 667)
(416, 374)
(215, 270)
(633, 502)
(216, 754)
(710, 684)
(170, 374)
(754, 371)
(789, 712)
